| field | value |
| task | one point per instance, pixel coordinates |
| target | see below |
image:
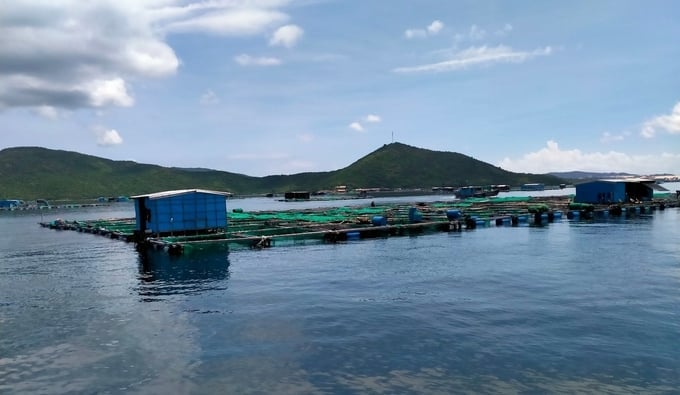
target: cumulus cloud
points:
(247, 60)
(435, 27)
(372, 118)
(109, 92)
(476, 56)
(668, 123)
(286, 36)
(108, 137)
(359, 126)
(356, 126)
(77, 54)
(552, 158)
(431, 30)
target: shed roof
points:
(645, 181)
(165, 194)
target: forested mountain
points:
(33, 172)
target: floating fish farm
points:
(266, 229)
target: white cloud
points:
(552, 158)
(668, 123)
(80, 54)
(431, 30)
(476, 33)
(477, 56)
(209, 98)
(108, 137)
(247, 60)
(372, 118)
(610, 138)
(149, 58)
(286, 36)
(109, 92)
(415, 33)
(230, 22)
(356, 126)
(435, 27)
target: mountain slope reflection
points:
(163, 275)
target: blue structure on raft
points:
(616, 191)
(536, 186)
(10, 204)
(180, 212)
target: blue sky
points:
(280, 87)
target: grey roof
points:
(160, 195)
(645, 181)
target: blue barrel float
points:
(414, 216)
(452, 214)
(379, 220)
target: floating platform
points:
(265, 229)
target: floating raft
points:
(264, 229)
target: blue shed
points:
(10, 204)
(536, 186)
(181, 211)
(615, 191)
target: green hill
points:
(400, 165)
(31, 172)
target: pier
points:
(266, 229)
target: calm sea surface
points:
(585, 307)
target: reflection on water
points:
(161, 274)
(572, 307)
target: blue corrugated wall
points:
(601, 192)
(186, 212)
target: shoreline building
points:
(625, 190)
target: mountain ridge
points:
(37, 172)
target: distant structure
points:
(532, 187)
(183, 211)
(616, 191)
(10, 204)
(296, 195)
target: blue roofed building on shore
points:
(185, 211)
(612, 191)
(10, 204)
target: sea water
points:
(571, 307)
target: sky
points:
(265, 87)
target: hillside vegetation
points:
(32, 172)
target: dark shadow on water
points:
(162, 275)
